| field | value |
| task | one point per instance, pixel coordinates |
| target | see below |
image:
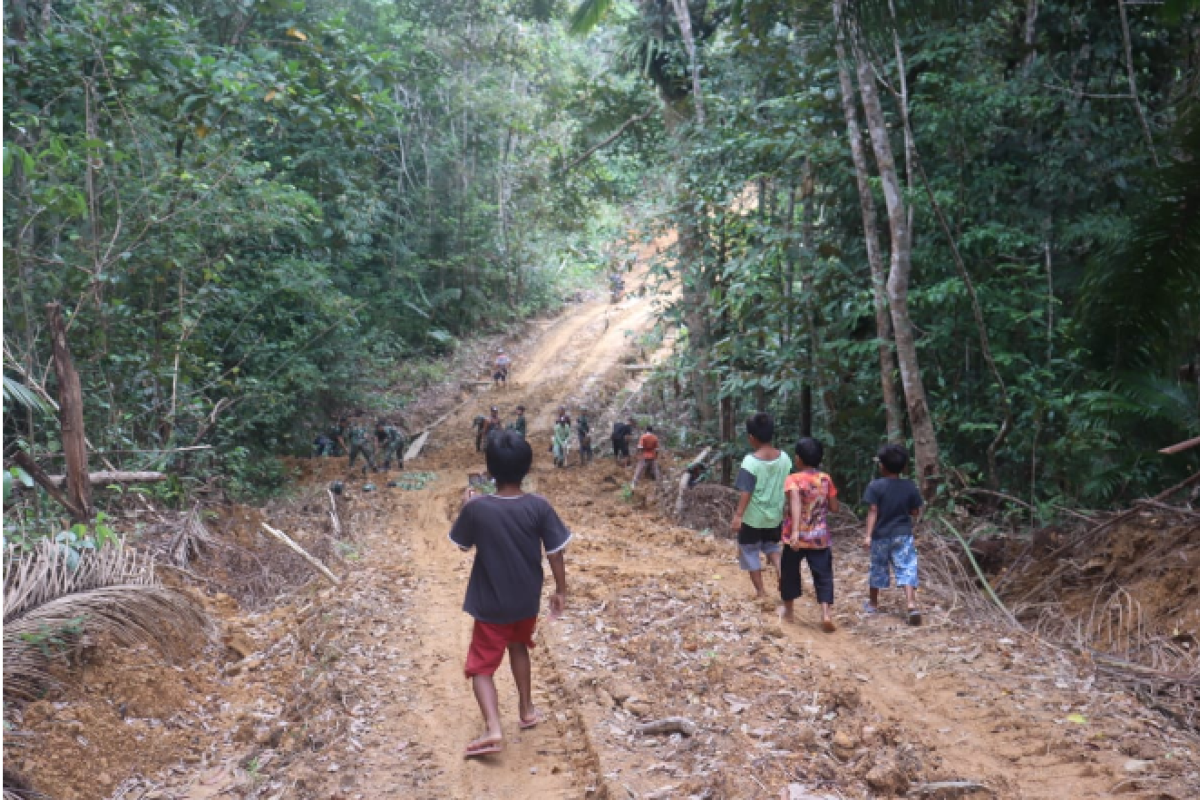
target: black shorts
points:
(751, 535)
(620, 447)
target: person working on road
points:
(360, 443)
(492, 425)
(620, 441)
(509, 531)
(759, 516)
(479, 425)
(584, 429)
(336, 434)
(391, 444)
(562, 441)
(647, 457)
(521, 426)
(503, 362)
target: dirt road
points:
(356, 692)
(659, 625)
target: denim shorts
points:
(749, 554)
(896, 553)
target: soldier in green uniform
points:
(584, 428)
(360, 443)
(391, 444)
(520, 426)
(480, 425)
(336, 435)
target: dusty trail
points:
(416, 750)
(658, 624)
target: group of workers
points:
(580, 429)
(353, 437)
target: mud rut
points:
(658, 624)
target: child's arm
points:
(794, 511)
(834, 505)
(743, 501)
(872, 516)
(558, 600)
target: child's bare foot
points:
(485, 744)
(786, 615)
(828, 626)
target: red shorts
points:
(489, 641)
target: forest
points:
(968, 228)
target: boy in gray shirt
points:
(509, 530)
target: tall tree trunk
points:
(684, 17)
(817, 372)
(70, 411)
(883, 321)
(924, 435)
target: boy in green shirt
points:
(759, 517)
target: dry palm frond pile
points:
(190, 539)
(53, 598)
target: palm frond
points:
(588, 15)
(19, 394)
(113, 593)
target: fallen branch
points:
(26, 462)
(949, 788)
(1182, 446)
(300, 551)
(668, 725)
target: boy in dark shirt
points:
(894, 502)
(508, 530)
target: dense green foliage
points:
(259, 211)
(1077, 224)
(254, 211)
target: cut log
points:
(105, 478)
(300, 551)
(334, 517)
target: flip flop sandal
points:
(828, 626)
(483, 749)
(532, 722)
(914, 617)
(869, 609)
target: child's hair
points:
(508, 457)
(761, 426)
(649, 429)
(810, 451)
(893, 457)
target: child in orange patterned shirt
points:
(810, 496)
